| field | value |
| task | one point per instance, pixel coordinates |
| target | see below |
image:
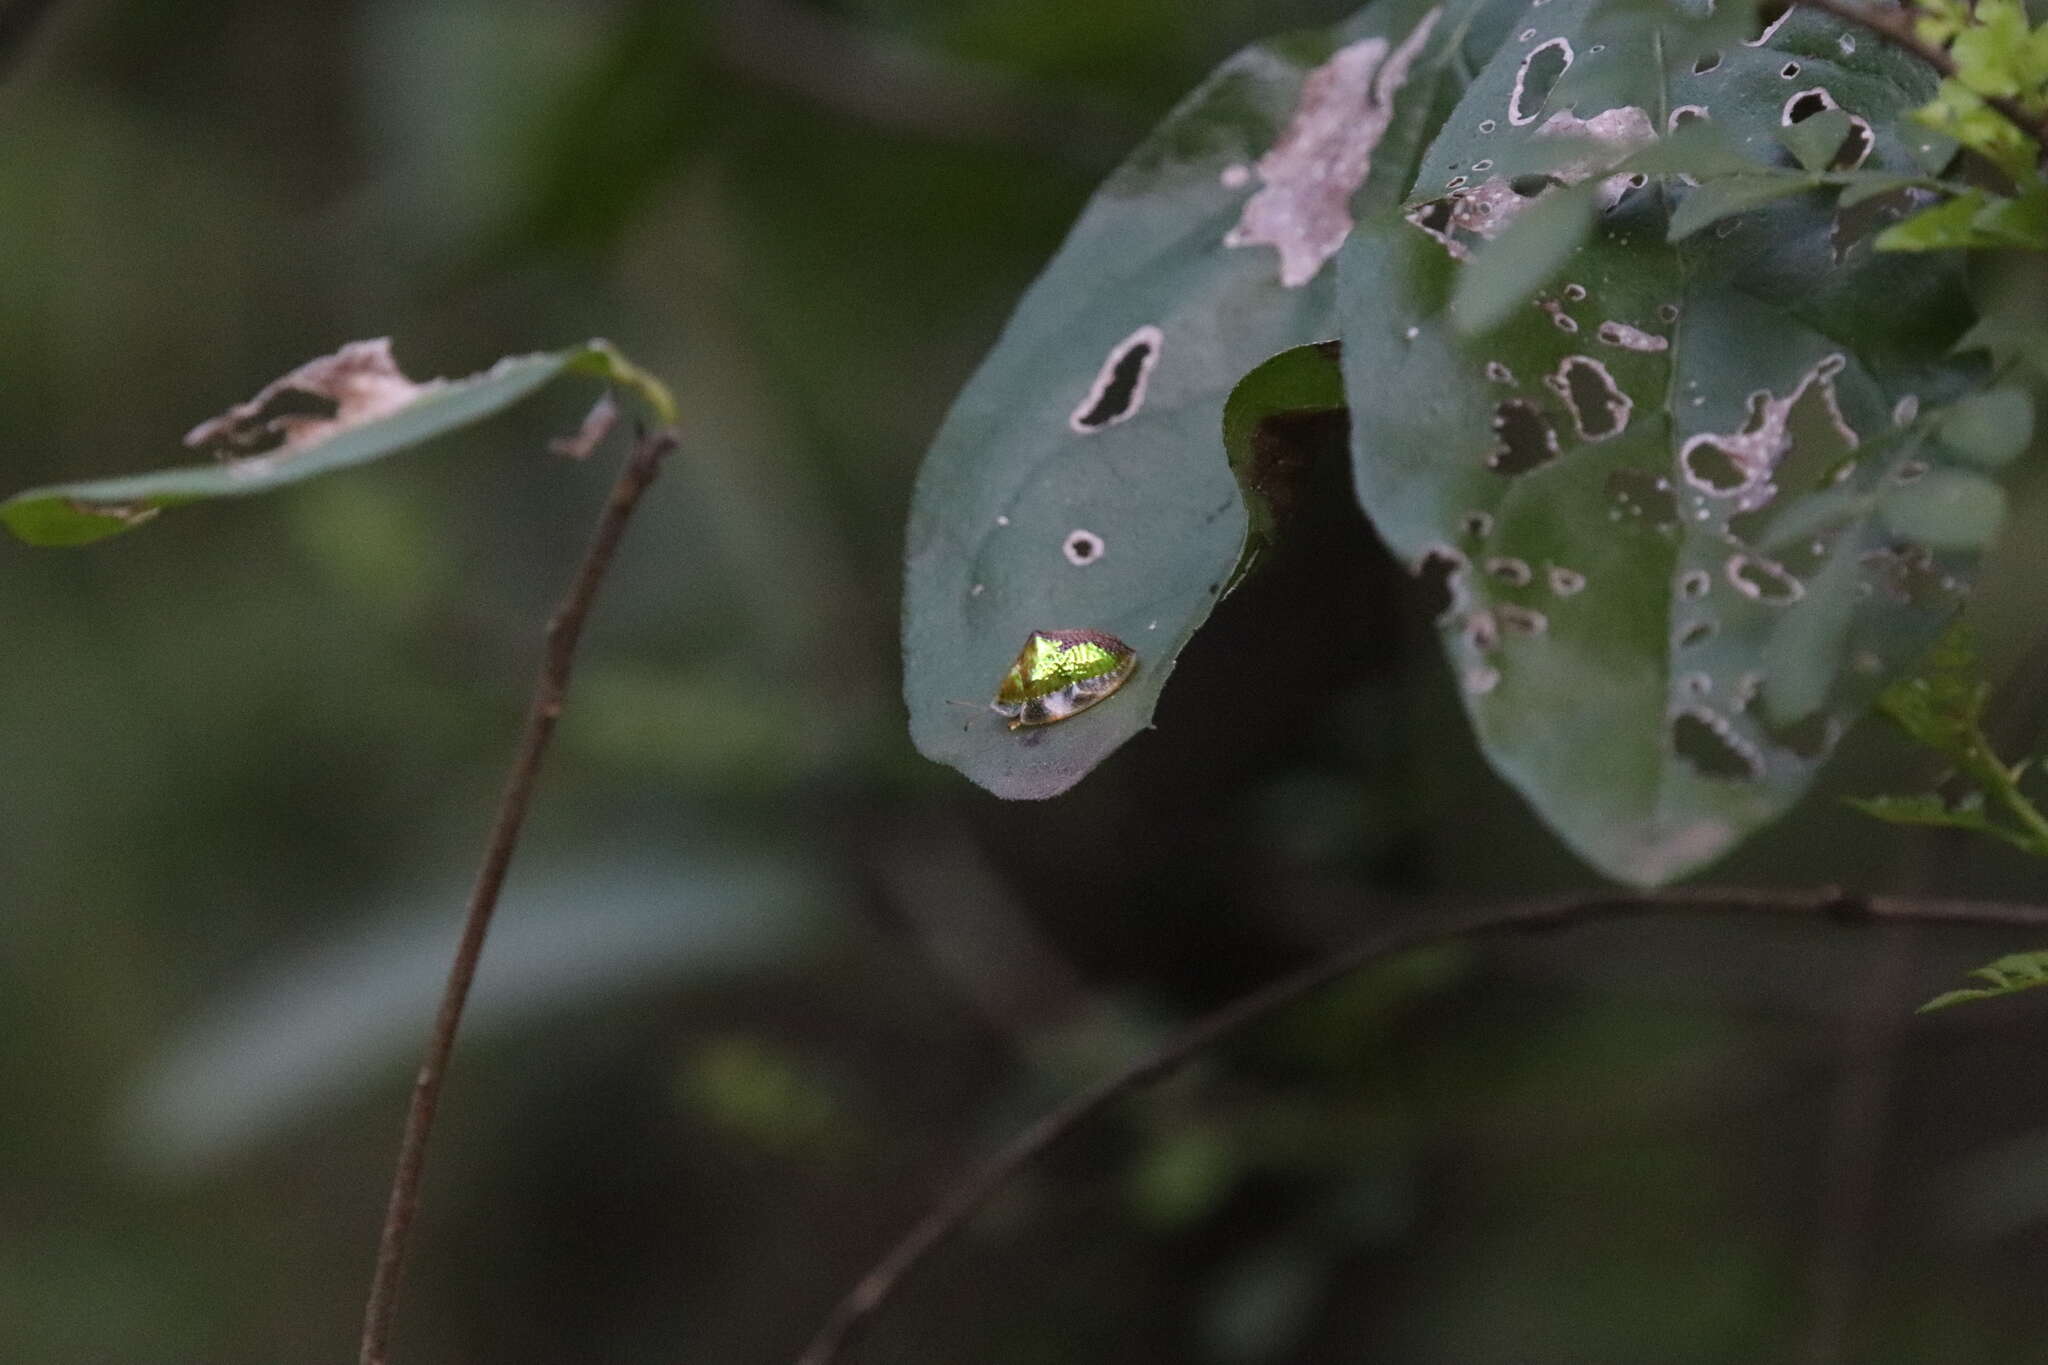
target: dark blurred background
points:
(764, 979)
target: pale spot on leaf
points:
(316, 402)
(1310, 174)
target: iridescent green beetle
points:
(1061, 673)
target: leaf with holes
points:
(1080, 482)
(342, 410)
(1691, 490)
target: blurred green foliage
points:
(776, 978)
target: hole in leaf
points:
(1521, 620)
(1513, 572)
(1699, 632)
(1855, 148)
(1694, 583)
(1769, 16)
(1082, 548)
(1531, 185)
(1526, 439)
(1763, 581)
(1705, 62)
(1598, 406)
(1708, 742)
(1536, 78)
(1482, 630)
(1119, 389)
(1789, 70)
(1805, 105)
(1437, 576)
(1712, 466)
(1566, 582)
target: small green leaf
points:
(1947, 225)
(2021, 221)
(1940, 704)
(372, 412)
(1929, 809)
(1858, 187)
(2010, 291)
(1504, 275)
(2008, 975)
(1946, 509)
(1726, 197)
(1817, 141)
(1989, 429)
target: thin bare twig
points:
(564, 632)
(1895, 26)
(967, 1197)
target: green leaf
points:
(1946, 509)
(2012, 973)
(1665, 481)
(2021, 221)
(1724, 198)
(1939, 706)
(1080, 481)
(1975, 219)
(2010, 292)
(1990, 429)
(1858, 187)
(1817, 141)
(1504, 275)
(80, 513)
(1930, 809)
(1947, 225)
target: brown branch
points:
(967, 1197)
(1895, 26)
(564, 631)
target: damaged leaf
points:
(1713, 435)
(1081, 478)
(322, 398)
(336, 412)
